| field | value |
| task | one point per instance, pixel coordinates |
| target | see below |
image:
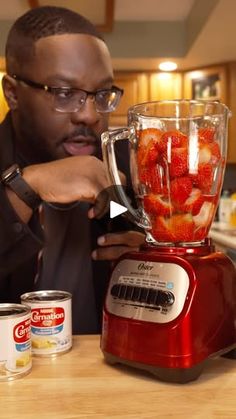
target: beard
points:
(35, 146)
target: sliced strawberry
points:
(204, 154)
(205, 215)
(215, 152)
(154, 179)
(149, 135)
(206, 135)
(157, 205)
(147, 156)
(194, 202)
(211, 198)
(182, 227)
(179, 162)
(209, 152)
(178, 228)
(172, 139)
(200, 233)
(147, 152)
(180, 189)
(150, 178)
(204, 178)
(161, 231)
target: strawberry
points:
(215, 152)
(148, 135)
(204, 178)
(182, 227)
(147, 152)
(204, 154)
(178, 228)
(194, 202)
(206, 135)
(152, 178)
(200, 233)
(157, 205)
(160, 230)
(211, 198)
(178, 165)
(172, 139)
(147, 156)
(180, 189)
(205, 215)
(209, 152)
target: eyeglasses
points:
(67, 100)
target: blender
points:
(171, 306)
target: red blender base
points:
(169, 309)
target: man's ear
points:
(10, 92)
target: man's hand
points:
(78, 178)
(113, 245)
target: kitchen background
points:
(198, 35)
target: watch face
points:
(10, 173)
(12, 178)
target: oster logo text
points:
(47, 317)
(21, 331)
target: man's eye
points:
(65, 93)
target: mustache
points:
(83, 132)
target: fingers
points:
(127, 238)
(67, 180)
(122, 178)
(111, 253)
(113, 245)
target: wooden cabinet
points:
(135, 87)
(214, 82)
(165, 86)
(142, 87)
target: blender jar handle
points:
(108, 140)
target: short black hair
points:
(41, 22)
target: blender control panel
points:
(148, 291)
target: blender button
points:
(144, 295)
(152, 296)
(136, 294)
(115, 290)
(129, 292)
(122, 292)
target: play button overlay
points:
(109, 202)
(116, 209)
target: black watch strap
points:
(12, 178)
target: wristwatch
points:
(12, 178)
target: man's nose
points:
(88, 113)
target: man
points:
(59, 88)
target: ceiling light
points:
(167, 66)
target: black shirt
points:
(57, 256)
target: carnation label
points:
(15, 341)
(51, 322)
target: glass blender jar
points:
(177, 162)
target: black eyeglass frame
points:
(54, 89)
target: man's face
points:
(74, 61)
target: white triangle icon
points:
(116, 209)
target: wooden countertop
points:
(79, 384)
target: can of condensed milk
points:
(51, 321)
(15, 343)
